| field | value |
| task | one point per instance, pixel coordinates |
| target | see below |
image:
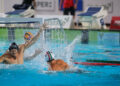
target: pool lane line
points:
(97, 63)
(103, 61)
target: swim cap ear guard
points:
(49, 56)
(13, 46)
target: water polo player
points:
(14, 55)
(55, 65)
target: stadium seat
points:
(3, 15)
(27, 13)
(115, 23)
(93, 17)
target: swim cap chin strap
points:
(49, 56)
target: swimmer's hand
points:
(38, 51)
(44, 26)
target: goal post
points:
(15, 27)
(52, 39)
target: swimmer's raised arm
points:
(35, 38)
(37, 52)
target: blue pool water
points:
(35, 73)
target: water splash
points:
(39, 62)
(68, 52)
(69, 49)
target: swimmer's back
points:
(59, 65)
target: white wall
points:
(115, 12)
(1, 6)
(9, 3)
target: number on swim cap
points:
(28, 36)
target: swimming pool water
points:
(34, 73)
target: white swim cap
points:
(49, 56)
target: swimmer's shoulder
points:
(21, 45)
(6, 53)
(60, 61)
(53, 62)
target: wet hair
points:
(13, 46)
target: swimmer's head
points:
(28, 36)
(49, 56)
(13, 46)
